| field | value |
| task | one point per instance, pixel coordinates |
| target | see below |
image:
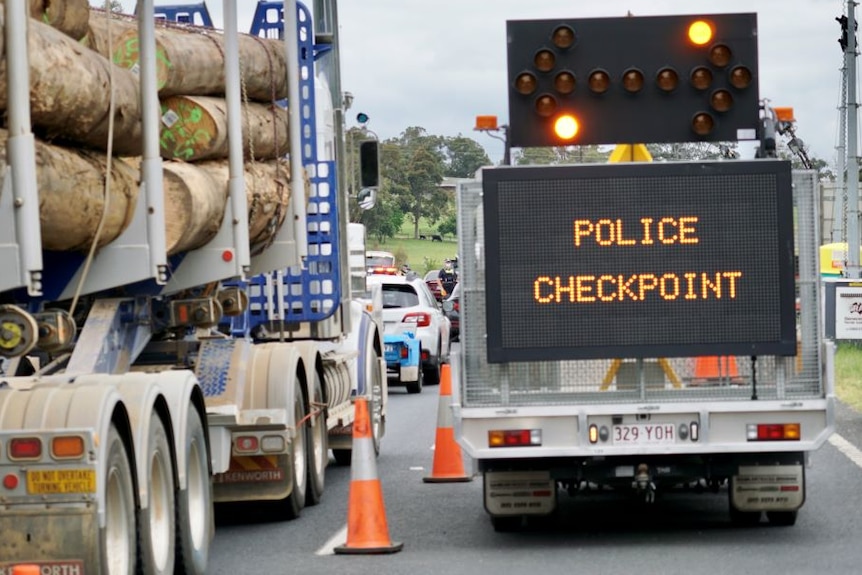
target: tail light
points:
(67, 447)
(774, 432)
(404, 352)
(246, 444)
(25, 448)
(419, 318)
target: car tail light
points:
(514, 437)
(774, 432)
(25, 448)
(420, 318)
(404, 352)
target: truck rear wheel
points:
(291, 506)
(782, 518)
(118, 536)
(416, 386)
(195, 515)
(317, 444)
(158, 530)
(744, 518)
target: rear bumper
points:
(59, 540)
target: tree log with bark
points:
(194, 128)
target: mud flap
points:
(768, 488)
(520, 493)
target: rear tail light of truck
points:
(514, 437)
(254, 444)
(246, 444)
(774, 432)
(419, 318)
(67, 447)
(25, 448)
(404, 352)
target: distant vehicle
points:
(435, 286)
(409, 301)
(380, 262)
(452, 309)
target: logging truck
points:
(184, 319)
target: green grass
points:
(422, 255)
(848, 374)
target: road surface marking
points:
(851, 451)
(340, 538)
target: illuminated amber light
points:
(701, 78)
(566, 127)
(740, 77)
(599, 81)
(525, 83)
(721, 101)
(702, 124)
(720, 55)
(544, 60)
(700, 32)
(633, 80)
(667, 79)
(67, 446)
(563, 37)
(564, 82)
(546, 105)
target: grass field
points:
(848, 374)
(422, 255)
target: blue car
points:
(403, 360)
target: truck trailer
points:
(144, 382)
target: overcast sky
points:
(437, 64)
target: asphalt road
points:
(444, 528)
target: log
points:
(268, 192)
(190, 59)
(72, 17)
(71, 185)
(194, 206)
(70, 95)
(194, 128)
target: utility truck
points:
(188, 323)
(633, 326)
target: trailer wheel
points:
(158, 530)
(291, 506)
(782, 518)
(416, 386)
(119, 536)
(317, 445)
(376, 408)
(195, 515)
(744, 518)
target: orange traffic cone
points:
(448, 465)
(715, 367)
(367, 531)
(25, 570)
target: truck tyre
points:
(317, 450)
(782, 518)
(291, 506)
(416, 386)
(744, 518)
(118, 537)
(507, 523)
(158, 530)
(195, 514)
(378, 423)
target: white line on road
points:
(851, 451)
(338, 539)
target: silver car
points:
(410, 301)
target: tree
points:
(449, 225)
(464, 156)
(560, 155)
(692, 151)
(413, 165)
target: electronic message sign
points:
(639, 260)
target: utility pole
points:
(852, 270)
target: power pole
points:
(852, 270)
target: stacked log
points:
(72, 17)
(70, 97)
(190, 59)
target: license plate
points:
(52, 481)
(644, 434)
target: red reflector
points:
(246, 443)
(10, 481)
(25, 448)
(425, 355)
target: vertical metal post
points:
(839, 203)
(291, 46)
(852, 148)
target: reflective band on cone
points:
(448, 465)
(367, 530)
